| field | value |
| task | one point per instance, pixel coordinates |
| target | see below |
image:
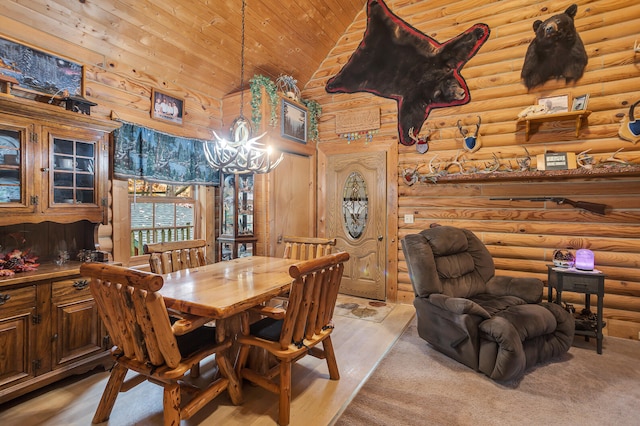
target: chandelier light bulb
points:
(243, 154)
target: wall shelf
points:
(580, 117)
(579, 173)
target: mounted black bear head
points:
(555, 52)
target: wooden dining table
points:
(224, 290)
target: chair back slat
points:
(313, 293)
(305, 248)
(134, 313)
(176, 255)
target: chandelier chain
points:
(242, 60)
(243, 154)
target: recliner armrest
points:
(458, 305)
(527, 288)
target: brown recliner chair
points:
(494, 324)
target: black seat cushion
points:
(194, 340)
(267, 328)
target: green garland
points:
(259, 81)
(255, 84)
(314, 115)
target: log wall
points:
(521, 236)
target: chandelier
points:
(243, 154)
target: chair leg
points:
(332, 364)
(110, 393)
(171, 404)
(285, 393)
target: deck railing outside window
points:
(140, 237)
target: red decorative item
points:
(18, 261)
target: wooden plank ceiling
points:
(196, 43)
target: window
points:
(160, 213)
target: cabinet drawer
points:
(581, 284)
(17, 299)
(76, 288)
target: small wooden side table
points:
(587, 282)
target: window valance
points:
(143, 153)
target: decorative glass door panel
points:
(355, 205)
(10, 166)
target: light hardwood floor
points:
(316, 400)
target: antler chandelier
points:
(243, 154)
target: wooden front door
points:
(356, 217)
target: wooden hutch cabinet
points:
(53, 193)
(53, 164)
(237, 238)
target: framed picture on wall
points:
(293, 122)
(40, 72)
(166, 107)
(555, 104)
(580, 103)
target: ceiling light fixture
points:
(243, 154)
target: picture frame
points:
(166, 107)
(580, 103)
(293, 119)
(40, 72)
(555, 104)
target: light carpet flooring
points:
(417, 385)
(316, 400)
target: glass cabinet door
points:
(73, 172)
(236, 222)
(11, 182)
(245, 205)
(228, 206)
(237, 206)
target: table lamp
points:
(584, 260)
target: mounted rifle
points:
(596, 208)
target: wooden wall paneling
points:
(121, 222)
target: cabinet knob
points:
(44, 169)
(4, 298)
(81, 284)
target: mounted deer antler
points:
(421, 142)
(470, 143)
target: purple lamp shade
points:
(584, 260)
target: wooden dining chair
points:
(291, 334)
(175, 255)
(146, 341)
(304, 248)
